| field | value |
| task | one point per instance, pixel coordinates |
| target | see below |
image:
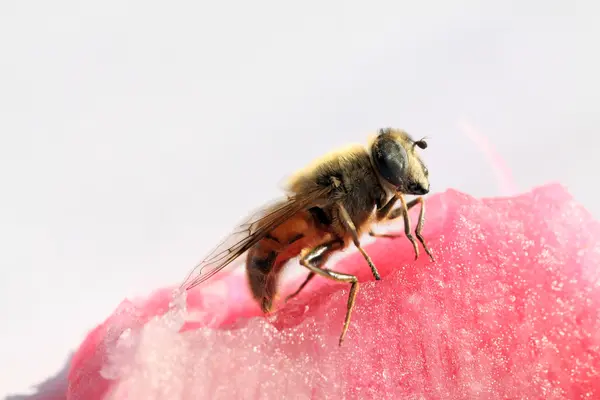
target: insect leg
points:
(315, 259)
(349, 225)
(420, 227)
(390, 215)
(308, 279)
(407, 226)
(384, 235)
(398, 212)
(384, 211)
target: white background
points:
(133, 134)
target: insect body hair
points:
(330, 203)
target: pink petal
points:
(509, 310)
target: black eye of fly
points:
(390, 159)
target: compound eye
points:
(390, 158)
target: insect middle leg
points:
(349, 225)
(313, 262)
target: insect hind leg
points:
(310, 276)
(313, 262)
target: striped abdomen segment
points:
(266, 258)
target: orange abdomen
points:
(266, 258)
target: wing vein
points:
(250, 232)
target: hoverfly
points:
(330, 204)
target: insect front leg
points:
(383, 214)
(384, 235)
(407, 231)
(420, 226)
(404, 212)
(315, 259)
(386, 213)
(349, 225)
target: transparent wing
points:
(250, 232)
